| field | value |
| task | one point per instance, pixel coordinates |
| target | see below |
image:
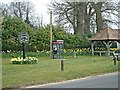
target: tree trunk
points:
(79, 25)
(80, 20)
(99, 20)
(87, 25)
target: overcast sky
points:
(41, 8)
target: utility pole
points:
(119, 16)
(50, 34)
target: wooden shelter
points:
(106, 36)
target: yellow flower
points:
(65, 50)
(80, 50)
(13, 59)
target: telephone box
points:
(58, 49)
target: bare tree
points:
(37, 21)
(78, 14)
(83, 15)
(23, 10)
(4, 9)
(98, 11)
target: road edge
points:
(54, 83)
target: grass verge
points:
(48, 70)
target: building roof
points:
(106, 34)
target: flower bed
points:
(28, 60)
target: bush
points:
(16, 54)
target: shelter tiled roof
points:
(106, 34)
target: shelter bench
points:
(100, 52)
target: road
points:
(100, 81)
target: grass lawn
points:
(48, 70)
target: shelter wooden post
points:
(108, 45)
(108, 48)
(92, 47)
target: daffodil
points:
(13, 59)
(20, 59)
